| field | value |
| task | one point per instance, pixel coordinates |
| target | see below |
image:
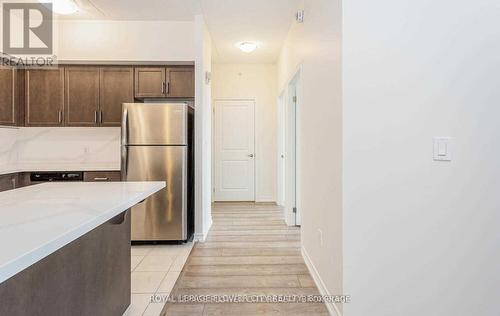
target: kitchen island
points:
(65, 247)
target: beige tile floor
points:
(155, 270)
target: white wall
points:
(258, 82)
(316, 44)
(126, 40)
(203, 141)
(421, 237)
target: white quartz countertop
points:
(36, 221)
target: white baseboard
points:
(332, 307)
(201, 237)
(265, 199)
(207, 229)
(289, 217)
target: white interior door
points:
(234, 150)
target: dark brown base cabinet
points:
(90, 276)
(9, 182)
(19, 180)
(102, 176)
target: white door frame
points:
(215, 139)
(281, 150)
(297, 80)
(289, 126)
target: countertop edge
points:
(50, 169)
(17, 265)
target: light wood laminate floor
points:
(249, 251)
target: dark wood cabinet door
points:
(116, 87)
(150, 82)
(8, 182)
(8, 97)
(102, 176)
(82, 96)
(44, 97)
(180, 82)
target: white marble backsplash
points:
(8, 152)
(63, 149)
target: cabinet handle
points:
(101, 179)
(100, 117)
(59, 113)
(95, 117)
(163, 87)
(168, 87)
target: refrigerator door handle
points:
(125, 127)
(124, 164)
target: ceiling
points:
(141, 10)
(265, 22)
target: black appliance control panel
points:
(56, 176)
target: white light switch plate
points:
(442, 148)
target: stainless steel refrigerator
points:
(157, 145)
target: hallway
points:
(249, 252)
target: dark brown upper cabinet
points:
(82, 96)
(150, 82)
(164, 82)
(44, 97)
(180, 82)
(116, 87)
(85, 95)
(8, 96)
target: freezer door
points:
(154, 124)
(163, 216)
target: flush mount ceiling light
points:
(62, 6)
(247, 47)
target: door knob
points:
(251, 155)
